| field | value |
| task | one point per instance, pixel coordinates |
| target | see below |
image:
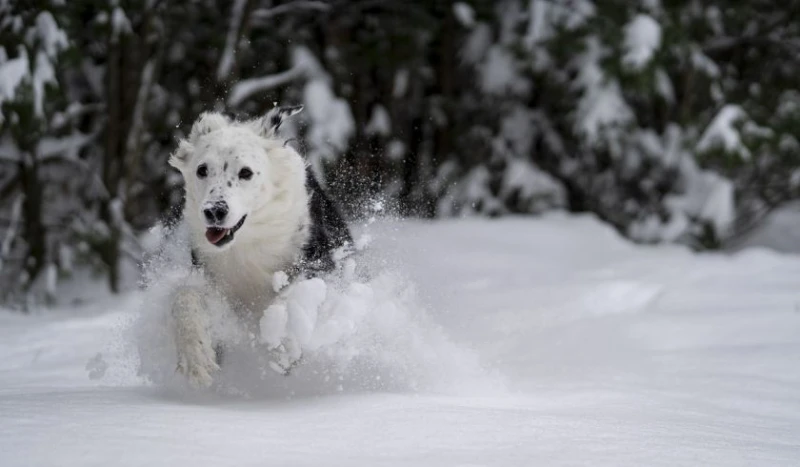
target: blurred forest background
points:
(671, 121)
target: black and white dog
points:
(253, 209)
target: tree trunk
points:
(108, 247)
(33, 230)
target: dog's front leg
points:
(193, 339)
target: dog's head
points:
(231, 170)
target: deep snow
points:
(513, 342)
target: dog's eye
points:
(202, 171)
(245, 174)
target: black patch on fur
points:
(275, 121)
(328, 230)
(196, 259)
(225, 167)
(229, 184)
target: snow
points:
(778, 231)
(722, 132)
(331, 122)
(642, 41)
(538, 24)
(12, 73)
(718, 203)
(475, 46)
(664, 86)
(303, 63)
(545, 17)
(704, 63)
(43, 75)
(226, 61)
(601, 104)
(120, 24)
(50, 279)
(262, 15)
(540, 190)
(707, 196)
(499, 74)
(379, 123)
(247, 87)
(520, 341)
(704, 195)
(464, 14)
(395, 150)
(515, 131)
(52, 38)
(473, 192)
(400, 85)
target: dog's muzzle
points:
(220, 237)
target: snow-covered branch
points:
(66, 147)
(263, 15)
(231, 40)
(246, 88)
(137, 124)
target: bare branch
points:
(66, 147)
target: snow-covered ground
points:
(513, 342)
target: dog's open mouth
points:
(219, 236)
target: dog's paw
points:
(198, 364)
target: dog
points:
(253, 209)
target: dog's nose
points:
(216, 212)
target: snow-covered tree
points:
(650, 115)
(38, 146)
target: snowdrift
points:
(506, 342)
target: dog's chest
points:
(245, 276)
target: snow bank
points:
(779, 231)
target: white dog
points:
(252, 209)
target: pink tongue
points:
(214, 235)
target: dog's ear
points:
(180, 157)
(206, 123)
(270, 123)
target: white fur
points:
(275, 202)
